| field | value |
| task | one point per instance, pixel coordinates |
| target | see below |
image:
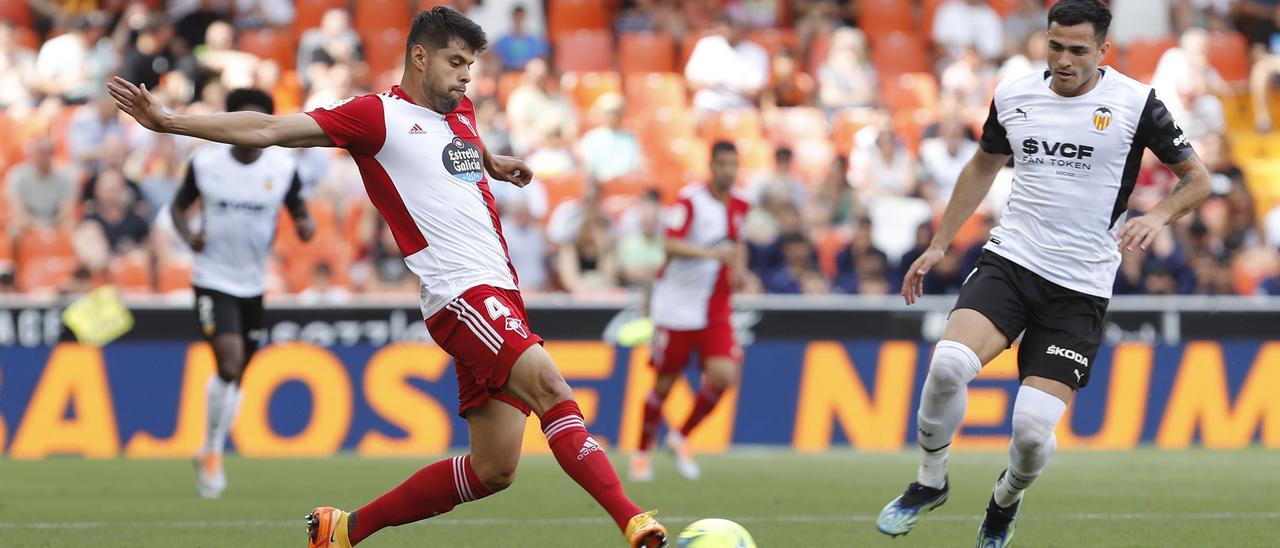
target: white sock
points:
(1035, 416)
(223, 401)
(942, 404)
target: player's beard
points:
(442, 100)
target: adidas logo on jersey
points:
(588, 447)
(416, 130)
(1068, 354)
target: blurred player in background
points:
(690, 307)
(423, 166)
(240, 190)
(1077, 133)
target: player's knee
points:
(723, 377)
(952, 367)
(228, 373)
(496, 477)
(1031, 434)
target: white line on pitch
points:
(853, 518)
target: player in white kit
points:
(690, 307)
(424, 168)
(1077, 133)
(240, 190)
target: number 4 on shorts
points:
(496, 308)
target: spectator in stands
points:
(192, 19)
(640, 251)
(537, 109)
(1189, 86)
(322, 289)
(68, 63)
(1166, 257)
(798, 273)
(1139, 19)
(789, 86)
(587, 263)
(860, 262)
(334, 42)
(263, 13)
(813, 18)
(158, 169)
(554, 155)
(518, 46)
(1033, 58)
(92, 126)
(566, 219)
(219, 57)
(147, 58)
(114, 152)
(970, 80)
(120, 227)
(962, 24)
(17, 70)
(383, 269)
(663, 16)
(1025, 20)
(924, 236)
(726, 71)
(846, 78)
(880, 164)
(833, 202)
(609, 151)
(783, 184)
(942, 158)
(526, 243)
(38, 194)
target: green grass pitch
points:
(1139, 498)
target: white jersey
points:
(424, 173)
(692, 293)
(1076, 161)
(239, 206)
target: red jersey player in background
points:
(690, 306)
(423, 166)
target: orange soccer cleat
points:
(327, 528)
(643, 531)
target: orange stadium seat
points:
(732, 125)
(829, 242)
(6, 247)
(26, 38)
(898, 52)
(300, 264)
(1115, 58)
(927, 11)
(586, 87)
(646, 52)
(564, 187)
(564, 16)
(656, 127)
(817, 53)
(273, 44)
(307, 13)
(384, 49)
(131, 274)
(755, 156)
(1004, 7)
(36, 243)
(1229, 53)
(375, 16)
(655, 89)
(173, 277)
(1144, 54)
(16, 12)
(584, 50)
(912, 90)
(881, 17)
(508, 82)
(811, 158)
(845, 124)
(45, 274)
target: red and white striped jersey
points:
(692, 293)
(424, 172)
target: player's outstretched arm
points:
(508, 168)
(1188, 193)
(244, 128)
(972, 186)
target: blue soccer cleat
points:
(900, 515)
(997, 527)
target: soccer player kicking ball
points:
(423, 166)
(241, 189)
(690, 306)
(1077, 133)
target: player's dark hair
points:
(723, 146)
(238, 99)
(1069, 13)
(435, 28)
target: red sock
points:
(708, 396)
(584, 460)
(429, 492)
(652, 420)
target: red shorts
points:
(485, 330)
(671, 349)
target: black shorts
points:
(1061, 328)
(221, 314)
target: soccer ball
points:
(715, 533)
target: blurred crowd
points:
(852, 118)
